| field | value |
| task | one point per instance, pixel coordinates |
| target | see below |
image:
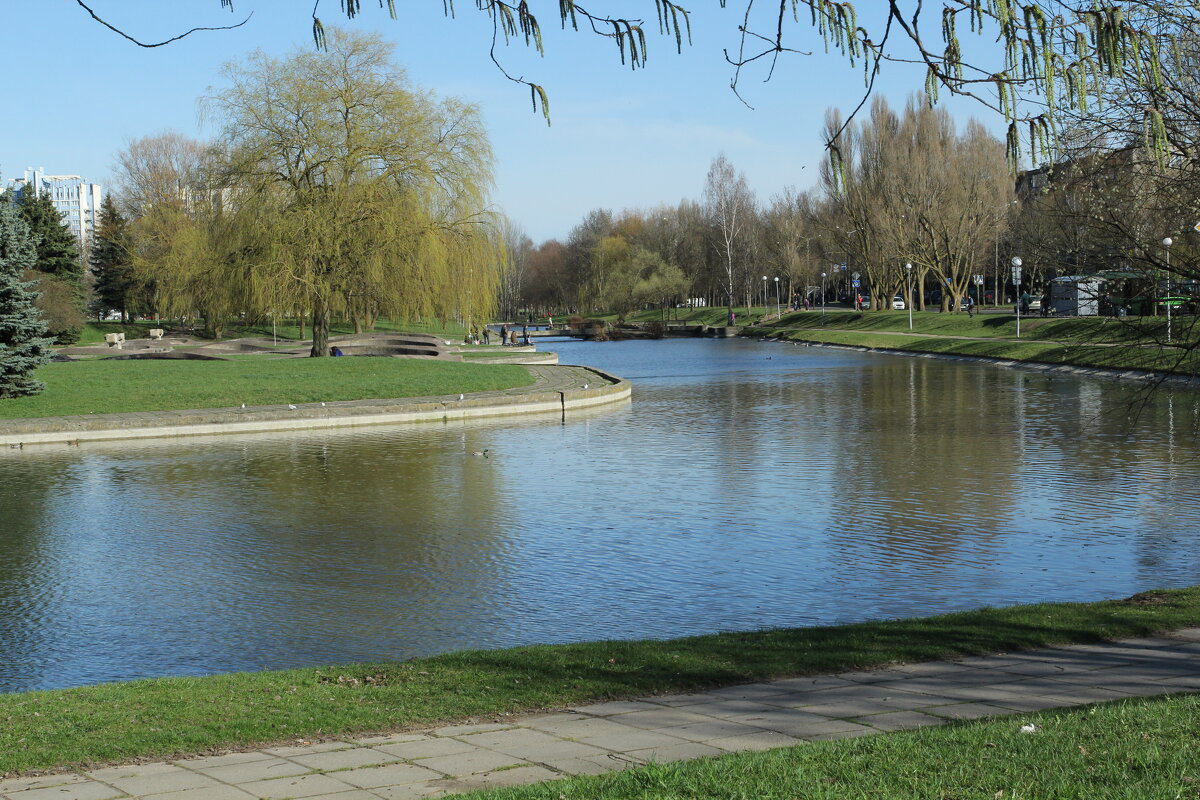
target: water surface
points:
(747, 485)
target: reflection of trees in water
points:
(260, 550)
(409, 511)
(933, 471)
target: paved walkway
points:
(611, 736)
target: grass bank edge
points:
(1148, 360)
(170, 717)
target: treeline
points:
(909, 189)
(906, 187)
(335, 189)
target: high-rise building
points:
(76, 199)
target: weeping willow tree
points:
(367, 196)
(193, 262)
(187, 246)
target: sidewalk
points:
(616, 735)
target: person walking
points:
(970, 306)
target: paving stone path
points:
(616, 735)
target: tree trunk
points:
(300, 319)
(358, 324)
(212, 326)
(320, 330)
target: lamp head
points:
(1016, 262)
(1167, 242)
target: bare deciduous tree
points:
(731, 207)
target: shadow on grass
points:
(628, 669)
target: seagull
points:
(461, 396)
(585, 386)
(291, 407)
(322, 405)
(243, 405)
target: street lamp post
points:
(778, 310)
(1016, 276)
(1167, 245)
(823, 298)
(764, 294)
(908, 272)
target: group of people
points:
(507, 337)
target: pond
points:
(747, 485)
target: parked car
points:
(898, 303)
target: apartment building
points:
(76, 199)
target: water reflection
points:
(747, 485)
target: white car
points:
(898, 303)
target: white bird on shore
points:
(322, 405)
(243, 405)
(585, 386)
(291, 407)
(461, 396)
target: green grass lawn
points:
(106, 386)
(1085, 342)
(1092, 330)
(116, 722)
(1186, 363)
(1131, 749)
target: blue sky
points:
(75, 92)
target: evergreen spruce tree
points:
(23, 343)
(109, 260)
(57, 248)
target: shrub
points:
(60, 306)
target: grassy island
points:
(168, 716)
(107, 387)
